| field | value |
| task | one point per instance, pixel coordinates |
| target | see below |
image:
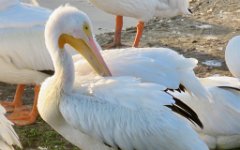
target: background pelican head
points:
(232, 55)
(68, 25)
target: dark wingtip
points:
(48, 72)
(190, 10)
(229, 88)
(180, 89)
(184, 110)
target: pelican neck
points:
(64, 69)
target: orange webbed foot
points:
(23, 121)
(23, 116)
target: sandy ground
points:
(203, 36)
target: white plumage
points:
(221, 117)
(158, 65)
(232, 56)
(132, 116)
(105, 112)
(143, 10)
(23, 53)
(8, 137)
(15, 14)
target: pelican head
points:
(68, 25)
(232, 55)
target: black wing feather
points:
(184, 110)
(48, 72)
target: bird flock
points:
(113, 99)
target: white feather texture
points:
(143, 10)
(220, 118)
(106, 113)
(133, 116)
(232, 55)
(23, 52)
(16, 14)
(157, 65)
(8, 137)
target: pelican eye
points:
(86, 29)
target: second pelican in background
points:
(143, 10)
(24, 59)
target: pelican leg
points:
(138, 36)
(117, 35)
(23, 117)
(17, 102)
(119, 25)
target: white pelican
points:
(106, 113)
(143, 10)
(23, 55)
(221, 117)
(8, 137)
